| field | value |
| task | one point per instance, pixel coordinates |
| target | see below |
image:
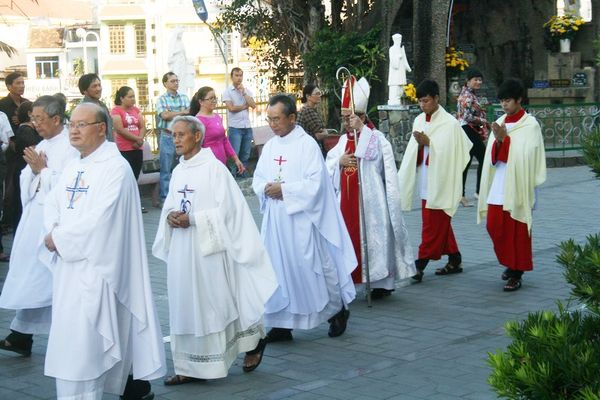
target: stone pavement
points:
(427, 341)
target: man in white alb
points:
(104, 324)
(303, 230)
(218, 284)
(28, 285)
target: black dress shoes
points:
(337, 323)
(136, 389)
(380, 293)
(279, 335)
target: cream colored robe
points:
(525, 169)
(449, 149)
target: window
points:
(46, 67)
(115, 84)
(142, 93)
(140, 39)
(116, 34)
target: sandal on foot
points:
(418, 277)
(181, 380)
(24, 351)
(505, 275)
(260, 349)
(512, 285)
(449, 269)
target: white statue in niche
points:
(397, 72)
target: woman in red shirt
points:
(129, 126)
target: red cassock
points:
(350, 207)
(437, 236)
(511, 239)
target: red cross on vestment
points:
(280, 160)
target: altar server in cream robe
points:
(104, 324)
(219, 275)
(433, 163)
(513, 168)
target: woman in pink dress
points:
(202, 106)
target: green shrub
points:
(556, 356)
(552, 356)
(591, 150)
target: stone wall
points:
(396, 124)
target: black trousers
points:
(478, 150)
(135, 159)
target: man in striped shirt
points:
(168, 106)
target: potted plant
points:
(563, 28)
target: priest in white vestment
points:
(104, 324)
(28, 285)
(303, 230)
(362, 147)
(219, 274)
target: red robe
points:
(350, 207)
(349, 204)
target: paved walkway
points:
(427, 341)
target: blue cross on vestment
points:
(185, 205)
(76, 188)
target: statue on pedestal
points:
(397, 71)
(180, 64)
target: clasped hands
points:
(273, 190)
(178, 219)
(499, 131)
(421, 138)
(35, 160)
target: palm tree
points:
(4, 47)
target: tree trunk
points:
(429, 27)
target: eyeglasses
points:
(273, 120)
(174, 80)
(210, 99)
(81, 124)
(316, 94)
(39, 120)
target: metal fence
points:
(563, 125)
(257, 115)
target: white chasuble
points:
(103, 315)
(28, 282)
(304, 233)
(219, 275)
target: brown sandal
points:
(449, 269)
(181, 380)
(512, 285)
